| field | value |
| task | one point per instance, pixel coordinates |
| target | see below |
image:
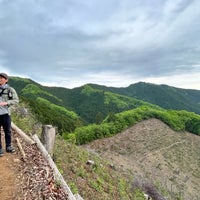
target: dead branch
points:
(21, 149)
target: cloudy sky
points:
(110, 42)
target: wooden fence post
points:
(48, 138)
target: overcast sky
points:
(116, 43)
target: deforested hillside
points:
(152, 151)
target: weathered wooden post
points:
(48, 138)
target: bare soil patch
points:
(153, 151)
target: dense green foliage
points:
(88, 104)
(19, 83)
(47, 107)
(32, 91)
(49, 113)
(93, 105)
(115, 123)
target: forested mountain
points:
(48, 108)
(162, 95)
(70, 108)
(92, 105)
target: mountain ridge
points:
(165, 96)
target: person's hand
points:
(3, 103)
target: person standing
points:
(8, 97)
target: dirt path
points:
(10, 175)
(31, 178)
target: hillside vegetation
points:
(115, 123)
(165, 96)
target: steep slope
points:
(151, 150)
(48, 108)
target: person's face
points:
(3, 80)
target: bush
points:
(115, 123)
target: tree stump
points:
(48, 138)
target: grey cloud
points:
(72, 38)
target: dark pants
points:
(5, 122)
